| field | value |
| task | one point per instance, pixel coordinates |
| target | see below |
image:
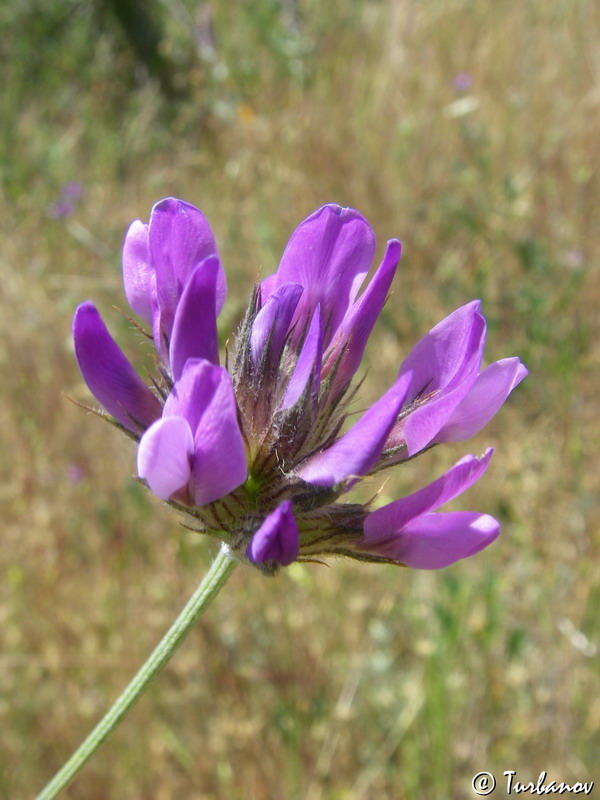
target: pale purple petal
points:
(444, 365)
(449, 353)
(204, 396)
(108, 373)
(357, 450)
(329, 254)
(277, 538)
(139, 278)
(392, 518)
(268, 286)
(189, 398)
(165, 455)
(352, 335)
(420, 427)
(179, 239)
(485, 397)
(308, 363)
(195, 327)
(433, 541)
(274, 320)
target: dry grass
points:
(323, 684)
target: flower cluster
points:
(253, 452)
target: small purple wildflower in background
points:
(574, 258)
(70, 194)
(253, 452)
(61, 209)
(462, 82)
(73, 190)
(75, 473)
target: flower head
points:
(256, 455)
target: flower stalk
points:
(209, 587)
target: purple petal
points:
(420, 427)
(268, 286)
(179, 239)
(138, 276)
(108, 373)
(195, 327)
(485, 397)
(277, 538)
(433, 541)
(392, 518)
(351, 337)
(451, 351)
(165, 454)
(308, 363)
(329, 254)
(444, 365)
(357, 450)
(204, 397)
(274, 320)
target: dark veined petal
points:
(109, 375)
(195, 327)
(351, 337)
(165, 454)
(204, 397)
(357, 450)
(277, 538)
(273, 320)
(179, 238)
(390, 519)
(308, 363)
(139, 279)
(434, 541)
(329, 254)
(484, 399)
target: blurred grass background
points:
(469, 129)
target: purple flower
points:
(348, 345)
(108, 373)
(448, 398)
(75, 473)
(257, 454)
(159, 259)
(73, 190)
(196, 448)
(61, 209)
(69, 196)
(462, 81)
(277, 538)
(406, 531)
(328, 257)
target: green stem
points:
(220, 570)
